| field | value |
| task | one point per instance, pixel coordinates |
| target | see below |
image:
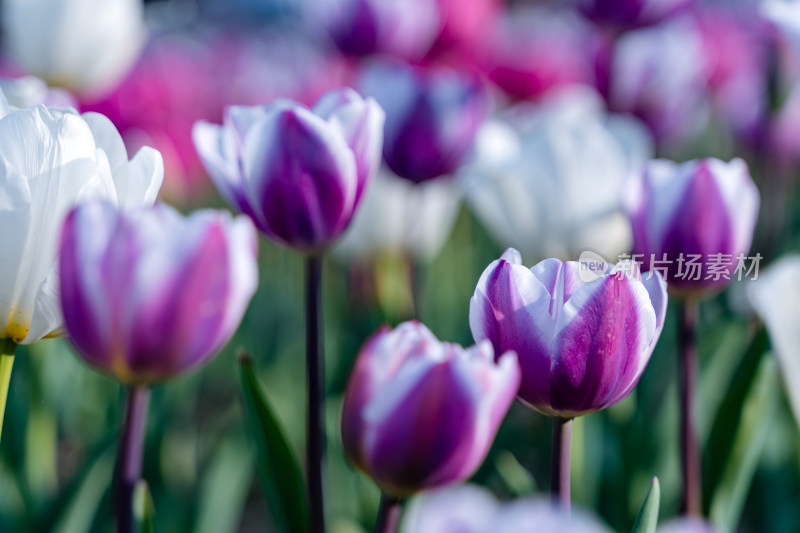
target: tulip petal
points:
(304, 174)
(510, 307)
(602, 344)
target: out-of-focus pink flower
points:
(465, 23)
(181, 79)
(734, 43)
(533, 50)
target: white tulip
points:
(547, 180)
(86, 45)
(398, 215)
(775, 296)
(50, 159)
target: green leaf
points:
(647, 520)
(226, 485)
(758, 414)
(144, 513)
(278, 469)
(718, 448)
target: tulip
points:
(403, 28)
(400, 216)
(419, 413)
(626, 14)
(583, 337)
(774, 296)
(704, 209)
(298, 173)
(694, 222)
(472, 509)
(148, 295)
(85, 45)
(548, 180)
(431, 117)
(52, 159)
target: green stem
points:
(7, 350)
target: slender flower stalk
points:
(388, 514)
(7, 350)
(129, 455)
(690, 450)
(315, 372)
(560, 470)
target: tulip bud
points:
(85, 45)
(298, 173)
(431, 117)
(583, 338)
(149, 294)
(694, 221)
(626, 14)
(420, 413)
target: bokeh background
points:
(584, 100)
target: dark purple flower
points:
(694, 221)
(149, 294)
(432, 115)
(404, 28)
(582, 345)
(298, 173)
(420, 413)
(627, 14)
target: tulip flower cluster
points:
(634, 159)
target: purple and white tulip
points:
(582, 345)
(420, 413)
(149, 294)
(298, 173)
(699, 215)
(432, 116)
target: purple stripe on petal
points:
(82, 318)
(306, 176)
(603, 333)
(431, 426)
(511, 309)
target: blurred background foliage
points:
(62, 419)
